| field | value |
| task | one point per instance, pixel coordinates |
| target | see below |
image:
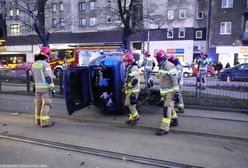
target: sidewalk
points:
(90, 128)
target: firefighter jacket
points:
(149, 63)
(168, 78)
(202, 64)
(132, 81)
(41, 71)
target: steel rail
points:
(98, 152)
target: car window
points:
(243, 67)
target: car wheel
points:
(186, 74)
(209, 74)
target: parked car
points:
(238, 72)
(210, 71)
(4, 66)
(187, 71)
(23, 66)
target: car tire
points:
(57, 72)
(209, 74)
(186, 74)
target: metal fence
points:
(19, 81)
(224, 93)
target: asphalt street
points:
(203, 138)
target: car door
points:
(76, 88)
(242, 72)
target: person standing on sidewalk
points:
(202, 73)
(178, 95)
(44, 85)
(168, 87)
(131, 87)
(149, 64)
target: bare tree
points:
(34, 17)
(129, 14)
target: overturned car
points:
(99, 83)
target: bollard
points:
(28, 80)
(61, 74)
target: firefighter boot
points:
(174, 122)
(50, 124)
(132, 120)
(180, 111)
(164, 128)
(161, 132)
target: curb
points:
(195, 107)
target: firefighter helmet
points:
(129, 58)
(204, 54)
(147, 54)
(160, 55)
(45, 51)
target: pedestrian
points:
(179, 105)
(168, 87)
(227, 65)
(219, 67)
(149, 64)
(131, 87)
(202, 73)
(44, 85)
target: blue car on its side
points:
(238, 72)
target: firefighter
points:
(149, 64)
(131, 87)
(44, 85)
(202, 73)
(178, 95)
(168, 87)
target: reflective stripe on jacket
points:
(168, 78)
(40, 70)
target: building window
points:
(109, 2)
(54, 7)
(61, 6)
(11, 12)
(109, 20)
(53, 22)
(198, 34)
(246, 26)
(170, 14)
(14, 29)
(182, 13)
(225, 27)
(17, 12)
(181, 32)
(92, 21)
(82, 22)
(199, 15)
(81, 6)
(92, 5)
(61, 22)
(227, 4)
(170, 33)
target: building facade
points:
(179, 26)
(228, 31)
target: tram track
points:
(97, 152)
(144, 127)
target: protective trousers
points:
(132, 107)
(169, 112)
(43, 101)
(201, 78)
